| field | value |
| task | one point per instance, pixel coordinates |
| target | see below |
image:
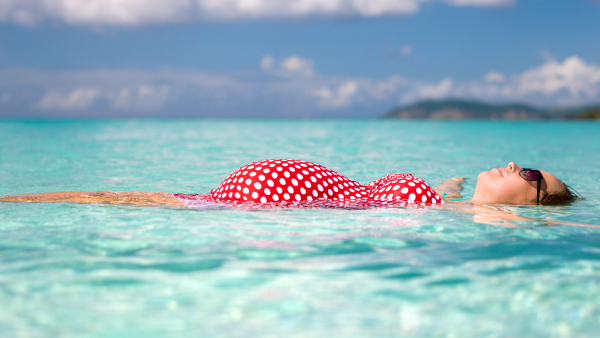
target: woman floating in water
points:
(301, 184)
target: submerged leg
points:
(148, 198)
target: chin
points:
(480, 189)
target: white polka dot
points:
(390, 196)
(429, 193)
(433, 202)
(294, 182)
(330, 192)
(280, 168)
(284, 164)
(412, 197)
(404, 190)
(250, 167)
(267, 191)
(312, 178)
(396, 187)
(403, 181)
(298, 197)
(309, 198)
(237, 195)
(238, 187)
(297, 166)
(335, 189)
(286, 196)
(341, 196)
(263, 199)
(230, 194)
(245, 198)
(305, 172)
(302, 191)
(292, 169)
(252, 174)
(411, 184)
(275, 198)
(266, 171)
(286, 174)
(246, 190)
(319, 175)
(423, 186)
(241, 180)
(261, 177)
(258, 168)
(419, 190)
(279, 190)
(437, 197)
(274, 175)
(257, 185)
(424, 198)
(255, 195)
(376, 197)
(315, 193)
(325, 183)
(282, 181)
(245, 172)
(320, 187)
(307, 184)
(300, 176)
(330, 181)
(388, 188)
(346, 193)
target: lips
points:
(500, 171)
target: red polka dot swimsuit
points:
(293, 183)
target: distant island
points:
(455, 109)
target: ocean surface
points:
(77, 270)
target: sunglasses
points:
(529, 174)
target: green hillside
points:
(462, 109)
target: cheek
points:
(484, 184)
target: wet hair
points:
(566, 195)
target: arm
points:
(451, 188)
(492, 216)
(142, 198)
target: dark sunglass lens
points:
(530, 174)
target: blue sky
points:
(291, 58)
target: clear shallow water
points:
(74, 270)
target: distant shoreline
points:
(455, 109)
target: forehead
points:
(552, 183)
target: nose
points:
(512, 167)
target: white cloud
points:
(493, 76)
(572, 76)
(282, 89)
(79, 98)
(491, 3)
(266, 62)
(338, 97)
(292, 65)
(296, 64)
(140, 12)
(571, 82)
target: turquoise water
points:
(70, 270)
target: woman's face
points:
(505, 185)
